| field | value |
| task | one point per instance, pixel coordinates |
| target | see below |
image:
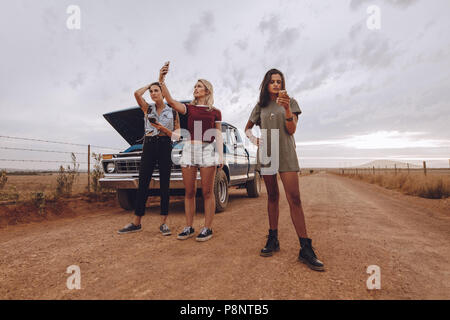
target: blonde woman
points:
(203, 151)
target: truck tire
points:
(221, 190)
(126, 198)
(254, 186)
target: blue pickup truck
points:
(121, 170)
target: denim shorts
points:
(199, 155)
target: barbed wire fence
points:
(87, 154)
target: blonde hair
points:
(209, 99)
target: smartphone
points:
(282, 94)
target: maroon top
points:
(202, 117)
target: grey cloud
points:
(126, 89)
(355, 4)
(242, 44)
(357, 29)
(78, 81)
(314, 81)
(375, 51)
(357, 89)
(278, 38)
(319, 61)
(111, 52)
(234, 79)
(196, 30)
(270, 24)
(341, 68)
(52, 19)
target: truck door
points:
(240, 157)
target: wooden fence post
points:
(395, 168)
(89, 168)
(408, 167)
(424, 168)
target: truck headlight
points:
(110, 167)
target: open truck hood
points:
(129, 123)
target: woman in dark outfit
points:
(279, 113)
(157, 149)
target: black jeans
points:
(156, 150)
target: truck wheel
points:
(221, 190)
(254, 186)
(126, 198)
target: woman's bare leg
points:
(137, 220)
(208, 174)
(189, 177)
(273, 197)
(291, 187)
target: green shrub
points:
(3, 179)
(9, 195)
(66, 178)
(38, 199)
(97, 173)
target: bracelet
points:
(290, 119)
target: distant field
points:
(434, 185)
(438, 171)
(26, 184)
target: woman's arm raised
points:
(178, 106)
(140, 100)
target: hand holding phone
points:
(164, 70)
(283, 99)
(283, 94)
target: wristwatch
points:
(290, 119)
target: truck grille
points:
(132, 166)
(128, 166)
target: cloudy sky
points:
(365, 93)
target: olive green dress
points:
(273, 116)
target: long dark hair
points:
(264, 95)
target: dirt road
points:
(353, 225)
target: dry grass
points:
(26, 186)
(416, 184)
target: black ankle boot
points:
(307, 255)
(272, 244)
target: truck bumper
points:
(133, 183)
